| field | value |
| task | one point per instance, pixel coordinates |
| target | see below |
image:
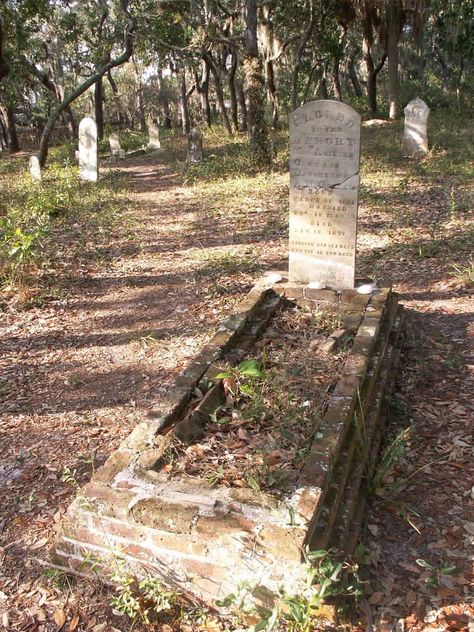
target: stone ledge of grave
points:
(370, 400)
(333, 428)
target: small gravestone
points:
(194, 146)
(35, 169)
(153, 135)
(116, 150)
(88, 150)
(324, 192)
(415, 137)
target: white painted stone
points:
(415, 136)
(324, 192)
(88, 159)
(35, 169)
(153, 135)
(273, 278)
(317, 285)
(367, 288)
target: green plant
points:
(69, 477)
(327, 577)
(436, 575)
(141, 599)
(464, 274)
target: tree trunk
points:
(4, 64)
(203, 89)
(258, 132)
(242, 106)
(299, 57)
(233, 91)
(393, 36)
(336, 79)
(353, 76)
(183, 104)
(99, 107)
(323, 84)
(219, 92)
(85, 85)
(14, 145)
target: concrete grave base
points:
(206, 541)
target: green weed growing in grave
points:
(141, 599)
(328, 577)
(437, 575)
(464, 274)
(69, 476)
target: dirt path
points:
(79, 372)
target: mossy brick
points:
(143, 436)
(351, 321)
(369, 327)
(362, 345)
(223, 524)
(293, 290)
(320, 534)
(359, 301)
(330, 296)
(347, 295)
(117, 461)
(149, 459)
(355, 363)
(163, 515)
(283, 544)
(106, 500)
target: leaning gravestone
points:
(153, 135)
(194, 146)
(324, 191)
(116, 150)
(88, 149)
(415, 137)
(35, 169)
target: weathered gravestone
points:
(153, 135)
(194, 146)
(88, 149)
(415, 137)
(35, 169)
(324, 191)
(116, 150)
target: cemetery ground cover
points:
(142, 272)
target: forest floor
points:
(83, 360)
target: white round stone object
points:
(273, 277)
(367, 288)
(317, 285)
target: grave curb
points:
(206, 541)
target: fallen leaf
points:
(74, 623)
(39, 544)
(59, 617)
(376, 598)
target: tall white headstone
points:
(116, 150)
(35, 169)
(153, 135)
(324, 193)
(415, 137)
(88, 169)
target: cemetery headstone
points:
(324, 192)
(116, 150)
(88, 149)
(35, 169)
(194, 146)
(153, 135)
(415, 137)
